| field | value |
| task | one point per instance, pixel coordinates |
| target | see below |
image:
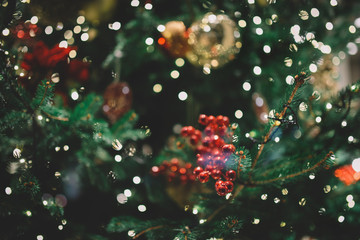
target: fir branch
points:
(318, 164)
(218, 210)
(147, 230)
(299, 83)
(64, 119)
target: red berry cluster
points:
(212, 151)
(175, 170)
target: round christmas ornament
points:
(214, 41)
(176, 39)
(117, 100)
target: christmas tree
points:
(179, 119)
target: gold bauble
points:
(175, 36)
(214, 41)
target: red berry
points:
(218, 184)
(220, 119)
(200, 161)
(202, 119)
(194, 139)
(229, 186)
(198, 170)
(217, 141)
(198, 133)
(219, 163)
(183, 178)
(201, 149)
(209, 167)
(216, 174)
(231, 175)
(222, 190)
(222, 130)
(203, 176)
(211, 119)
(184, 131)
(228, 149)
(191, 130)
(209, 130)
(188, 165)
(206, 141)
(226, 121)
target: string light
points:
(182, 96)
(80, 20)
(246, 86)
(136, 179)
(239, 114)
(242, 23)
(127, 193)
(142, 208)
(8, 190)
(356, 164)
(34, 20)
(148, 6)
(175, 74)
(118, 158)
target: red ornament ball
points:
(117, 100)
(231, 175)
(204, 176)
(198, 170)
(228, 149)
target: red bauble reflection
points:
(117, 100)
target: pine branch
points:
(299, 82)
(318, 164)
(218, 210)
(147, 230)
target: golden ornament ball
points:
(214, 41)
(175, 36)
(117, 100)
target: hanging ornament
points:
(175, 39)
(214, 41)
(117, 100)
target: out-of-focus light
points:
(341, 219)
(63, 44)
(80, 20)
(5, 32)
(118, 158)
(135, 3)
(157, 88)
(313, 68)
(352, 29)
(179, 62)
(34, 20)
(246, 86)
(49, 30)
(8, 190)
(333, 3)
(356, 164)
(148, 6)
(182, 96)
(329, 26)
(127, 193)
(242, 23)
(161, 28)
(257, 70)
(257, 20)
(314, 12)
(259, 31)
(84, 37)
(75, 95)
(142, 208)
(266, 49)
(149, 41)
(136, 179)
(116, 26)
(77, 29)
(175, 74)
(238, 114)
